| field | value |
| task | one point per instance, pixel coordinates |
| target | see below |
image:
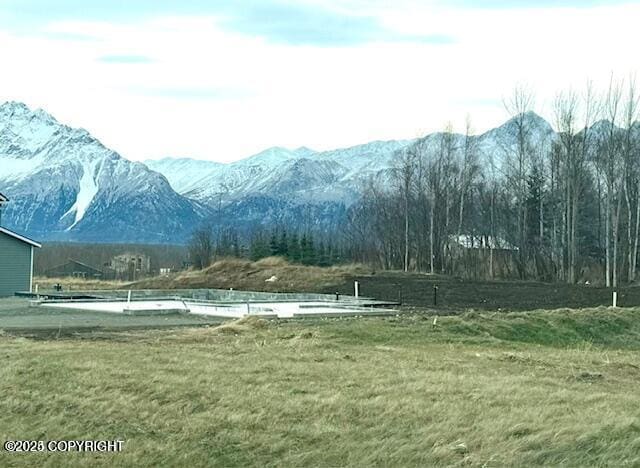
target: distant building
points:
(467, 241)
(74, 269)
(16, 259)
(130, 266)
(474, 256)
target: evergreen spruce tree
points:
(322, 258)
(303, 249)
(294, 248)
(309, 253)
(236, 246)
(274, 248)
(283, 246)
(259, 248)
(535, 185)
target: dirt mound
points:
(271, 274)
(272, 262)
(240, 326)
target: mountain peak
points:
(529, 117)
(304, 152)
(19, 110)
(270, 156)
(535, 124)
(80, 189)
(11, 108)
(533, 118)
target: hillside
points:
(253, 276)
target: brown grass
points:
(240, 326)
(76, 284)
(477, 390)
(246, 275)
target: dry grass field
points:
(246, 275)
(541, 388)
(76, 284)
(228, 273)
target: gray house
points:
(16, 260)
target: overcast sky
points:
(221, 80)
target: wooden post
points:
(356, 288)
(615, 298)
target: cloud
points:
(190, 93)
(125, 59)
(513, 4)
(229, 79)
(69, 36)
(277, 21)
(301, 24)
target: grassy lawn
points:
(538, 388)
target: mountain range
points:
(65, 185)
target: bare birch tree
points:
(518, 105)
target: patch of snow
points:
(184, 174)
(15, 168)
(86, 192)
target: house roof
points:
(26, 240)
(77, 263)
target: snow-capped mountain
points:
(64, 184)
(300, 175)
(184, 174)
(338, 176)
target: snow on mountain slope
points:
(373, 156)
(64, 184)
(306, 176)
(87, 190)
(300, 175)
(204, 180)
(498, 147)
(184, 174)
(275, 155)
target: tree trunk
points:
(635, 243)
(574, 242)
(492, 240)
(629, 239)
(616, 232)
(406, 232)
(607, 239)
(431, 268)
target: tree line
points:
(561, 208)
(207, 244)
(553, 204)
